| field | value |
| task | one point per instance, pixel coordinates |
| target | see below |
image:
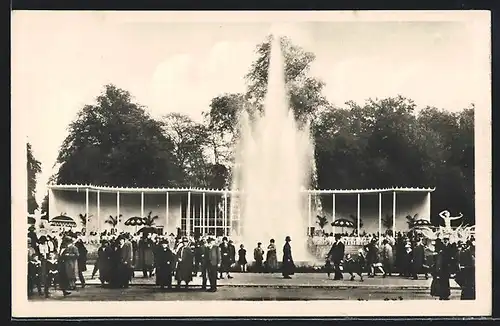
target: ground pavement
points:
(259, 287)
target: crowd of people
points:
(409, 255)
(57, 262)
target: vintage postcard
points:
(259, 163)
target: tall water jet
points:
(272, 168)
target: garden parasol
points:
(63, 220)
(147, 229)
(134, 221)
(343, 223)
(421, 223)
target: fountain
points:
(273, 167)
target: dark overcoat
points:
(288, 267)
(184, 269)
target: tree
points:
(322, 221)
(189, 140)
(410, 220)
(150, 220)
(222, 122)
(113, 221)
(34, 167)
(387, 222)
(304, 90)
(84, 219)
(116, 142)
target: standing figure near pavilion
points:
(271, 257)
(336, 255)
(225, 250)
(146, 257)
(212, 259)
(288, 267)
(103, 262)
(68, 266)
(164, 263)
(198, 255)
(184, 270)
(82, 260)
(258, 256)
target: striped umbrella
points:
(63, 220)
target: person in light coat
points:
(387, 257)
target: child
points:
(354, 266)
(52, 271)
(242, 259)
(34, 274)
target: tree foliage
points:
(116, 142)
(381, 143)
(34, 167)
(304, 91)
(189, 141)
(389, 143)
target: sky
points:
(62, 60)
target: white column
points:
(117, 211)
(333, 211)
(52, 204)
(394, 213)
(86, 207)
(309, 212)
(225, 214)
(99, 212)
(188, 215)
(358, 212)
(166, 212)
(428, 213)
(379, 217)
(216, 212)
(203, 214)
(142, 203)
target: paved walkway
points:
(302, 280)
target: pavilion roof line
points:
(82, 187)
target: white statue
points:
(446, 216)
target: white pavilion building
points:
(208, 211)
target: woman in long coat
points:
(288, 264)
(146, 255)
(82, 261)
(271, 257)
(68, 266)
(184, 270)
(164, 263)
(387, 257)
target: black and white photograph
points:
(251, 163)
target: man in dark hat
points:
(124, 262)
(82, 260)
(288, 264)
(226, 259)
(198, 255)
(444, 266)
(258, 256)
(335, 255)
(232, 254)
(211, 262)
(164, 262)
(103, 262)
